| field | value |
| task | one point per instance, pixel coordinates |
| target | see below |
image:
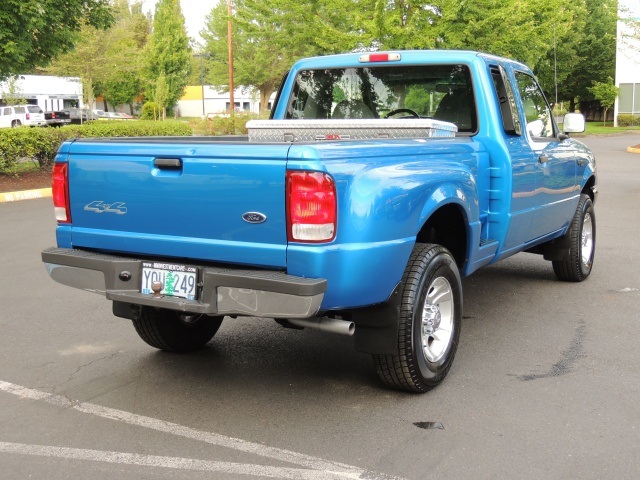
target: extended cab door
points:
(556, 190)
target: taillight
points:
(60, 192)
(27, 116)
(311, 207)
(53, 114)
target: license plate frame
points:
(178, 280)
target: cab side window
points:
(539, 120)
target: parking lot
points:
(546, 382)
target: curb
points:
(8, 197)
(633, 150)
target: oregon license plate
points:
(177, 280)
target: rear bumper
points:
(222, 290)
(58, 122)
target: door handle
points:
(168, 163)
(543, 159)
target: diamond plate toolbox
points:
(287, 131)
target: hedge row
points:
(628, 120)
(222, 125)
(41, 144)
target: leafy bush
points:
(150, 111)
(222, 124)
(41, 144)
(628, 120)
(16, 144)
(128, 128)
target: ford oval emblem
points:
(254, 217)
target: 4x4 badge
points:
(99, 206)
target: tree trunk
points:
(87, 86)
(265, 93)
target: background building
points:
(193, 104)
(627, 61)
(46, 91)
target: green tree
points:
(269, 35)
(13, 95)
(561, 58)
(32, 32)
(517, 29)
(108, 62)
(595, 53)
(605, 93)
(169, 52)
(124, 85)
(399, 24)
(161, 94)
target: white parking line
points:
(314, 463)
(165, 462)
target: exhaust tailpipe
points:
(326, 324)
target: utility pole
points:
(232, 105)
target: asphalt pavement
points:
(546, 381)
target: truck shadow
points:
(250, 354)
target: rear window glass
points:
(34, 109)
(441, 92)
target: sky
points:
(194, 12)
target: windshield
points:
(441, 92)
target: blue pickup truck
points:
(380, 180)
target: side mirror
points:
(573, 123)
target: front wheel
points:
(174, 331)
(429, 323)
(577, 264)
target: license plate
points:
(177, 280)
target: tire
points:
(428, 332)
(578, 263)
(174, 331)
(16, 124)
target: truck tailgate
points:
(212, 201)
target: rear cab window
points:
(440, 92)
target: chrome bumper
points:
(223, 291)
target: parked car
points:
(80, 115)
(102, 115)
(18, 115)
(122, 116)
(57, 118)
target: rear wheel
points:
(429, 323)
(175, 331)
(16, 123)
(577, 265)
